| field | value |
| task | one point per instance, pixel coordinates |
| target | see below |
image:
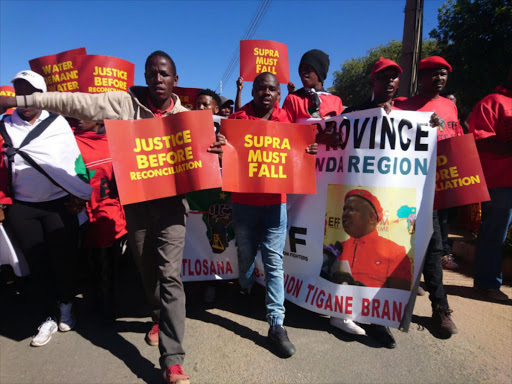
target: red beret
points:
(374, 202)
(383, 63)
(434, 62)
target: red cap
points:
(434, 62)
(383, 63)
(374, 202)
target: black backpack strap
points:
(10, 151)
(40, 169)
(38, 129)
(34, 133)
(8, 146)
(5, 135)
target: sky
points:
(201, 36)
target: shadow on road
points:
(470, 293)
(109, 338)
(424, 322)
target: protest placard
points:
(99, 74)
(390, 157)
(459, 177)
(59, 71)
(267, 157)
(162, 157)
(187, 96)
(258, 56)
(7, 90)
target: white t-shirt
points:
(28, 183)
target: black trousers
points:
(433, 269)
(47, 235)
(444, 215)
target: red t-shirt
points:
(373, 259)
(444, 107)
(297, 106)
(259, 199)
(159, 112)
(492, 117)
(106, 214)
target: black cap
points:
(319, 60)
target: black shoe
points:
(278, 338)
(383, 336)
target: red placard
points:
(99, 74)
(187, 96)
(59, 71)
(7, 90)
(258, 56)
(268, 157)
(162, 157)
(459, 176)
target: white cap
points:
(35, 79)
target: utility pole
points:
(411, 47)
(220, 85)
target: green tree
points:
(475, 36)
(351, 83)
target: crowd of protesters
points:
(51, 173)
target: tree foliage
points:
(475, 36)
(351, 83)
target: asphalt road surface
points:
(226, 343)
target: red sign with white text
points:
(268, 157)
(59, 71)
(459, 176)
(258, 56)
(7, 90)
(99, 74)
(162, 157)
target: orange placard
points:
(59, 71)
(99, 74)
(7, 90)
(258, 56)
(187, 96)
(459, 176)
(162, 157)
(268, 157)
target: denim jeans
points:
(496, 218)
(264, 228)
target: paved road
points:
(226, 344)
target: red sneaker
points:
(152, 335)
(175, 375)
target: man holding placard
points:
(433, 76)
(160, 222)
(312, 100)
(260, 221)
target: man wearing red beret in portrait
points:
(374, 261)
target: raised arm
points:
(83, 106)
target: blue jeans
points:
(263, 227)
(496, 218)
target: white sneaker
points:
(46, 330)
(67, 320)
(347, 325)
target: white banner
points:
(388, 159)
